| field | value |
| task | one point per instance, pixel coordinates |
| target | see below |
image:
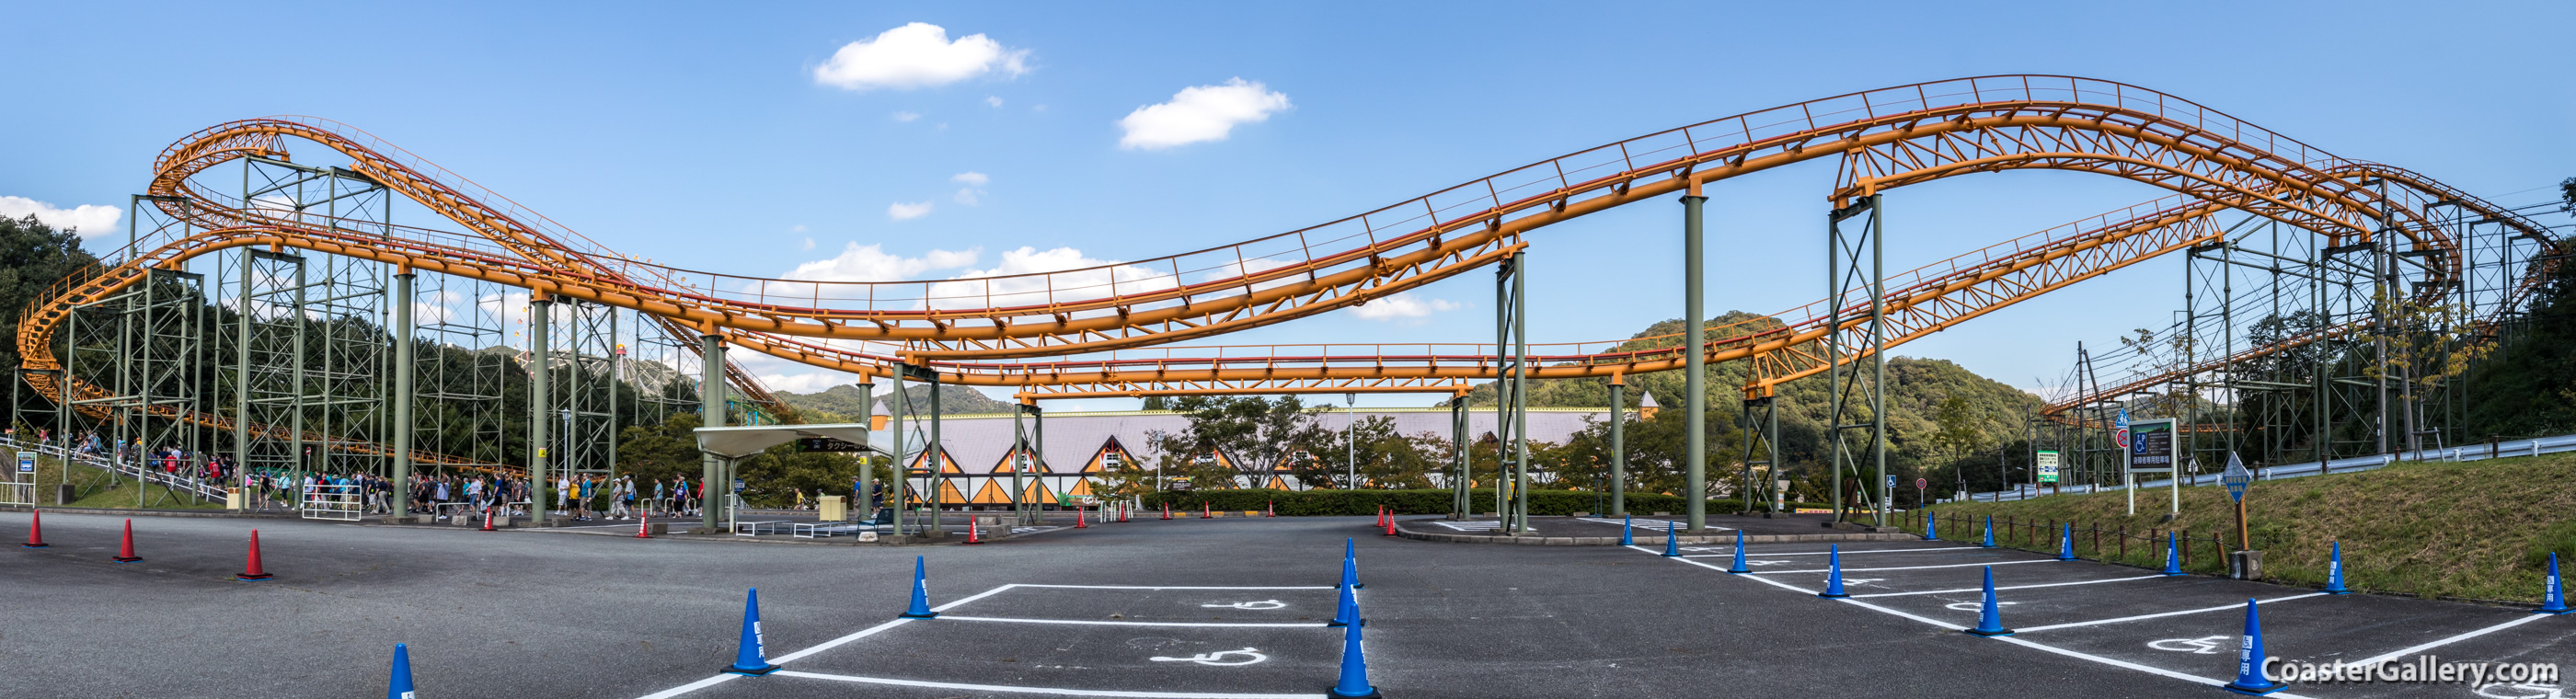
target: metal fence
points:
(2473, 452)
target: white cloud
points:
(1403, 306)
(871, 263)
(809, 244)
(1202, 113)
(995, 101)
(917, 55)
(906, 116)
(1059, 274)
(972, 193)
(798, 228)
(91, 220)
(900, 211)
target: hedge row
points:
(1299, 503)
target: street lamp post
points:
(1350, 449)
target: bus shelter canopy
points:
(738, 442)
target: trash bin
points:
(829, 509)
(233, 499)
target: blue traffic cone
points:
(2066, 543)
(1990, 533)
(1833, 574)
(1346, 607)
(1354, 683)
(1739, 568)
(2334, 572)
(399, 686)
(1990, 620)
(920, 608)
(1627, 525)
(2553, 597)
(1351, 565)
(2173, 555)
(2249, 659)
(1672, 544)
(749, 658)
(1931, 526)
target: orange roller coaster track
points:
(962, 327)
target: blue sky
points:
(705, 136)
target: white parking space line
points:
(1039, 690)
(1650, 525)
(1167, 587)
(2114, 662)
(2384, 657)
(693, 686)
(1758, 554)
(1945, 565)
(2009, 587)
(2159, 615)
(1299, 625)
(2008, 639)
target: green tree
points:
(1254, 433)
(33, 256)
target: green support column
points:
(1037, 455)
(402, 397)
(1878, 354)
(899, 406)
(1618, 447)
(1502, 385)
(1019, 455)
(1694, 369)
(1520, 394)
(1462, 503)
(711, 412)
(938, 452)
(867, 467)
(540, 315)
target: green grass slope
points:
(2481, 530)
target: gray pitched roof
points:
(977, 442)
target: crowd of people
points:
(583, 497)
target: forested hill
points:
(1984, 413)
(841, 403)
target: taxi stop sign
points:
(2236, 478)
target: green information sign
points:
(2048, 467)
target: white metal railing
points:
(2472, 452)
(186, 482)
(334, 501)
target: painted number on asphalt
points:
(2205, 645)
(2527, 690)
(1860, 581)
(1219, 658)
(1264, 604)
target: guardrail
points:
(2474, 452)
(140, 471)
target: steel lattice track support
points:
(1511, 394)
(1847, 280)
(268, 370)
(141, 347)
(582, 388)
(1760, 422)
(460, 363)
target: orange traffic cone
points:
(1207, 511)
(253, 572)
(487, 518)
(36, 531)
(1390, 522)
(1167, 510)
(125, 552)
(1077, 519)
(1122, 513)
(974, 535)
(1270, 508)
(643, 524)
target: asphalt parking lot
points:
(1184, 608)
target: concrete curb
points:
(1643, 540)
